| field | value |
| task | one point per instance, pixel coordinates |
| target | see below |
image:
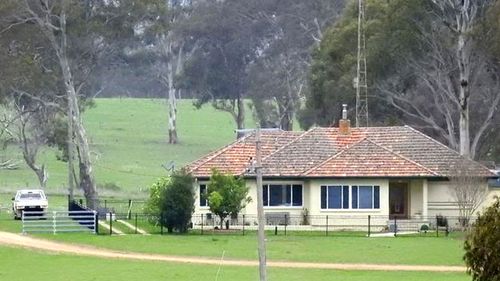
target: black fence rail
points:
(372, 226)
(80, 213)
(121, 206)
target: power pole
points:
(360, 82)
(260, 209)
(261, 235)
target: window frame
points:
(199, 196)
(266, 185)
(352, 189)
(341, 198)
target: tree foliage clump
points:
(482, 256)
(171, 201)
(226, 195)
(429, 63)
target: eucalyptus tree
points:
(428, 65)
(74, 37)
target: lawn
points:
(129, 145)
(27, 265)
(313, 248)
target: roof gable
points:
(368, 159)
(235, 157)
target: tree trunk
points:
(240, 116)
(85, 164)
(172, 107)
(30, 153)
(463, 62)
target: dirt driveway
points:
(24, 241)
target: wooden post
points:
(260, 210)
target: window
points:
(335, 197)
(282, 195)
(365, 197)
(361, 197)
(203, 193)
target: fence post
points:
(54, 221)
(105, 204)
(201, 224)
(129, 210)
(243, 225)
(369, 225)
(96, 222)
(286, 222)
(161, 223)
(437, 226)
(395, 226)
(326, 225)
(135, 223)
(110, 223)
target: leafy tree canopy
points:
(171, 201)
(226, 195)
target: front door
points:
(398, 200)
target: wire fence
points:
(284, 224)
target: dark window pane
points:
(376, 197)
(297, 195)
(334, 197)
(365, 197)
(345, 197)
(323, 197)
(203, 194)
(288, 195)
(354, 197)
(276, 195)
(265, 192)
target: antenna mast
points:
(360, 81)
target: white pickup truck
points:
(29, 200)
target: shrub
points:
(171, 201)
(482, 246)
(227, 195)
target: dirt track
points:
(16, 240)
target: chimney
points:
(344, 123)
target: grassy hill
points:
(129, 142)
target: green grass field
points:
(129, 144)
(342, 249)
(27, 265)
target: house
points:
(390, 172)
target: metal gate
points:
(59, 221)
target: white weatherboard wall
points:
(416, 198)
(441, 201)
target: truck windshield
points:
(31, 196)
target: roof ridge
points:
(447, 147)
(403, 157)
(333, 156)
(219, 152)
(293, 141)
(282, 133)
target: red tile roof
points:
(323, 152)
(236, 157)
(368, 159)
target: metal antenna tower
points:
(360, 81)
